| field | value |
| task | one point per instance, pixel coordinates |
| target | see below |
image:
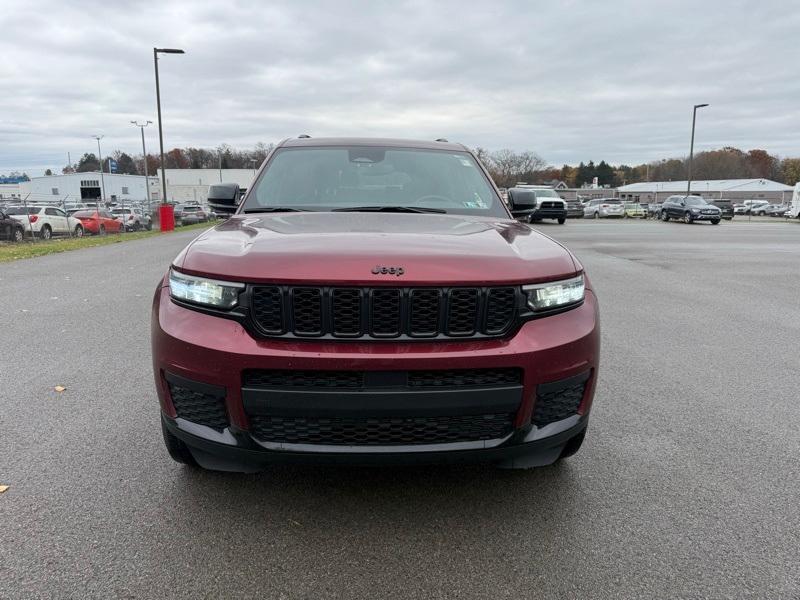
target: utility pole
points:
(141, 126)
(156, 52)
(102, 181)
(691, 149)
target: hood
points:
(345, 248)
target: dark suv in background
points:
(690, 209)
(725, 205)
(10, 228)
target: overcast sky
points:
(570, 80)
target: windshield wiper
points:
(397, 209)
(271, 209)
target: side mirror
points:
(224, 198)
(522, 202)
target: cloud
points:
(571, 80)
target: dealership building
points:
(712, 189)
(85, 186)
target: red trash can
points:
(166, 216)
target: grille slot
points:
(268, 309)
(313, 379)
(197, 407)
(500, 305)
(381, 431)
(425, 305)
(354, 312)
(346, 312)
(307, 310)
(385, 314)
(555, 405)
(461, 377)
(462, 313)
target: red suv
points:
(373, 301)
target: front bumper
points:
(548, 213)
(203, 350)
(702, 217)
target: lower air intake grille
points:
(460, 377)
(552, 406)
(200, 408)
(387, 431)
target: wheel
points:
(687, 218)
(46, 233)
(573, 445)
(79, 231)
(596, 215)
(19, 234)
(149, 226)
(177, 449)
(562, 220)
(102, 230)
(664, 216)
(137, 226)
(715, 221)
(624, 215)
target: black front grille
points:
(435, 378)
(204, 409)
(287, 311)
(387, 431)
(550, 204)
(557, 404)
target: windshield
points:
(546, 194)
(370, 176)
(690, 201)
(20, 210)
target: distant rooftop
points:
(711, 185)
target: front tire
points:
(562, 220)
(715, 221)
(596, 215)
(177, 449)
(46, 233)
(687, 218)
(19, 234)
(664, 216)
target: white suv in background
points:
(604, 207)
(45, 221)
(133, 218)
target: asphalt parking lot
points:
(687, 485)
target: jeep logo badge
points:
(378, 270)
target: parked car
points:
(653, 210)
(45, 221)
(188, 214)
(574, 209)
(770, 210)
(690, 209)
(604, 208)
(99, 222)
(10, 228)
(752, 206)
(532, 203)
(133, 218)
(376, 290)
(726, 206)
(633, 210)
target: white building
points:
(191, 185)
(9, 191)
(734, 189)
(84, 186)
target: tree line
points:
(506, 166)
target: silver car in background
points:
(604, 208)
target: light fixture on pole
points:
(100, 160)
(144, 159)
(691, 149)
(156, 52)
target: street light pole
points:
(691, 149)
(144, 158)
(102, 181)
(156, 52)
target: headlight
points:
(546, 296)
(199, 290)
(695, 210)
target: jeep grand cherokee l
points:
(373, 301)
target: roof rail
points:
(441, 140)
(303, 136)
